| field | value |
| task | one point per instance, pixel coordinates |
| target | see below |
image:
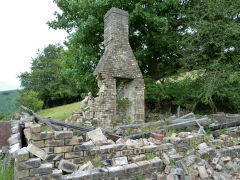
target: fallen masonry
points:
(67, 155)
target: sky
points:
(23, 30)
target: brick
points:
(138, 158)
(54, 157)
(63, 134)
(22, 155)
(74, 141)
(96, 135)
(62, 149)
(76, 160)
(22, 173)
(71, 155)
(42, 170)
(157, 136)
(119, 161)
(37, 151)
(143, 164)
(86, 166)
(84, 147)
(115, 170)
(39, 144)
(130, 168)
(48, 150)
(67, 166)
(36, 128)
(14, 139)
(27, 133)
(54, 142)
(31, 163)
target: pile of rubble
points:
(65, 155)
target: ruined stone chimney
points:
(115, 27)
(119, 77)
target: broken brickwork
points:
(118, 74)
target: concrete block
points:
(36, 128)
(70, 155)
(22, 173)
(54, 157)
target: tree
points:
(211, 47)
(47, 78)
(153, 36)
(29, 98)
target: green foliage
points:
(8, 174)
(150, 156)
(7, 102)
(123, 102)
(210, 45)
(221, 131)
(169, 132)
(140, 177)
(153, 36)
(29, 99)
(47, 78)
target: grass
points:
(60, 113)
(8, 174)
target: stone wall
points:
(5, 133)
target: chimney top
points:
(117, 11)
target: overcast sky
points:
(23, 30)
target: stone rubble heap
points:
(183, 155)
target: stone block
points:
(28, 124)
(37, 151)
(140, 157)
(115, 171)
(48, 150)
(84, 147)
(31, 163)
(27, 133)
(42, 170)
(67, 166)
(54, 143)
(158, 163)
(202, 172)
(130, 168)
(62, 149)
(84, 175)
(22, 154)
(39, 144)
(14, 139)
(86, 166)
(36, 128)
(42, 135)
(74, 141)
(143, 164)
(14, 149)
(96, 135)
(63, 134)
(76, 160)
(22, 173)
(54, 157)
(119, 161)
(107, 149)
(70, 155)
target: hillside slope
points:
(60, 113)
(7, 101)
